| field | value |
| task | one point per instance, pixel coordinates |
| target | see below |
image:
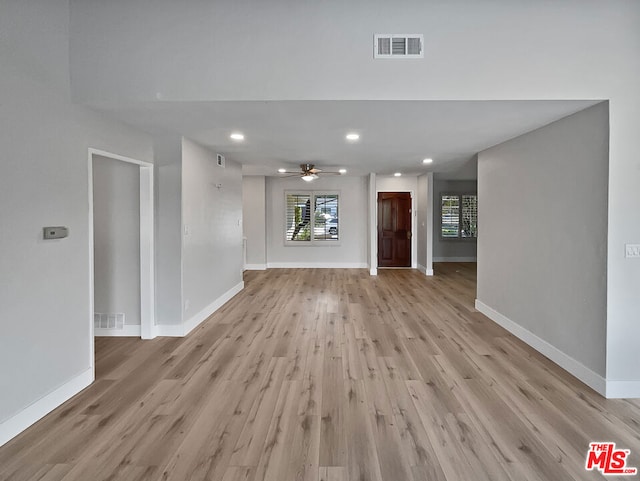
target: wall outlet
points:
(632, 250)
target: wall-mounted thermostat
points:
(55, 232)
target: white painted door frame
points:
(147, 276)
(373, 224)
(414, 221)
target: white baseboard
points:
(623, 389)
(373, 271)
(169, 330)
(424, 270)
(201, 316)
(455, 259)
(566, 362)
(255, 267)
(128, 331)
(317, 265)
(13, 426)
(181, 330)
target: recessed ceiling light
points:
(397, 174)
(427, 161)
(282, 171)
(343, 171)
(237, 136)
(352, 136)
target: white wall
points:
(460, 36)
(543, 236)
(352, 249)
(254, 220)
(44, 181)
(389, 183)
(116, 238)
(445, 250)
(212, 228)
(198, 233)
(168, 215)
(424, 221)
(372, 254)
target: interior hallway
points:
(323, 374)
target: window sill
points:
(458, 239)
(312, 244)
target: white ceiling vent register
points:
(220, 160)
(395, 45)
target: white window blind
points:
(311, 218)
(469, 225)
(298, 215)
(326, 217)
(459, 216)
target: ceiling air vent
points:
(398, 45)
(220, 160)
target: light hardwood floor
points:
(332, 375)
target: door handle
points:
(408, 234)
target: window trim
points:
(312, 242)
(459, 195)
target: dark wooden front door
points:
(394, 229)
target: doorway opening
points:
(121, 249)
(394, 229)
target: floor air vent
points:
(398, 45)
(108, 320)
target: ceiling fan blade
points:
(314, 171)
(291, 174)
(330, 173)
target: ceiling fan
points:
(308, 172)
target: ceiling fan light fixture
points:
(309, 177)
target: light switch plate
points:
(632, 250)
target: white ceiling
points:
(394, 135)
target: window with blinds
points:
(459, 216)
(311, 218)
(469, 224)
(298, 223)
(450, 216)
